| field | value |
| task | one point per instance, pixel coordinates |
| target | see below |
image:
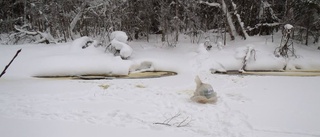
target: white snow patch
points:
(120, 36)
(288, 26)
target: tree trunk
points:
(308, 27)
(76, 19)
(231, 27)
(241, 24)
(289, 15)
(177, 21)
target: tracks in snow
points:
(132, 104)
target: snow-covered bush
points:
(204, 47)
(220, 45)
(118, 44)
(120, 36)
(123, 49)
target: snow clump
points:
(288, 26)
(120, 36)
(80, 43)
(119, 43)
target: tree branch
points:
(4, 71)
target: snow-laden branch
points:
(45, 37)
(263, 24)
(212, 4)
(24, 31)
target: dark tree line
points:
(66, 18)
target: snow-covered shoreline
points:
(250, 106)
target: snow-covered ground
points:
(248, 106)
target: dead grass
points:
(104, 86)
(140, 86)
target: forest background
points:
(67, 19)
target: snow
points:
(288, 26)
(202, 49)
(79, 43)
(119, 42)
(212, 4)
(126, 51)
(248, 106)
(119, 35)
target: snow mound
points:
(202, 49)
(124, 49)
(73, 65)
(120, 36)
(117, 44)
(80, 43)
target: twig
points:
(4, 71)
(179, 123)
(183, 123)
(170, 119)
(162, 124)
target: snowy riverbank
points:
(248, 106)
